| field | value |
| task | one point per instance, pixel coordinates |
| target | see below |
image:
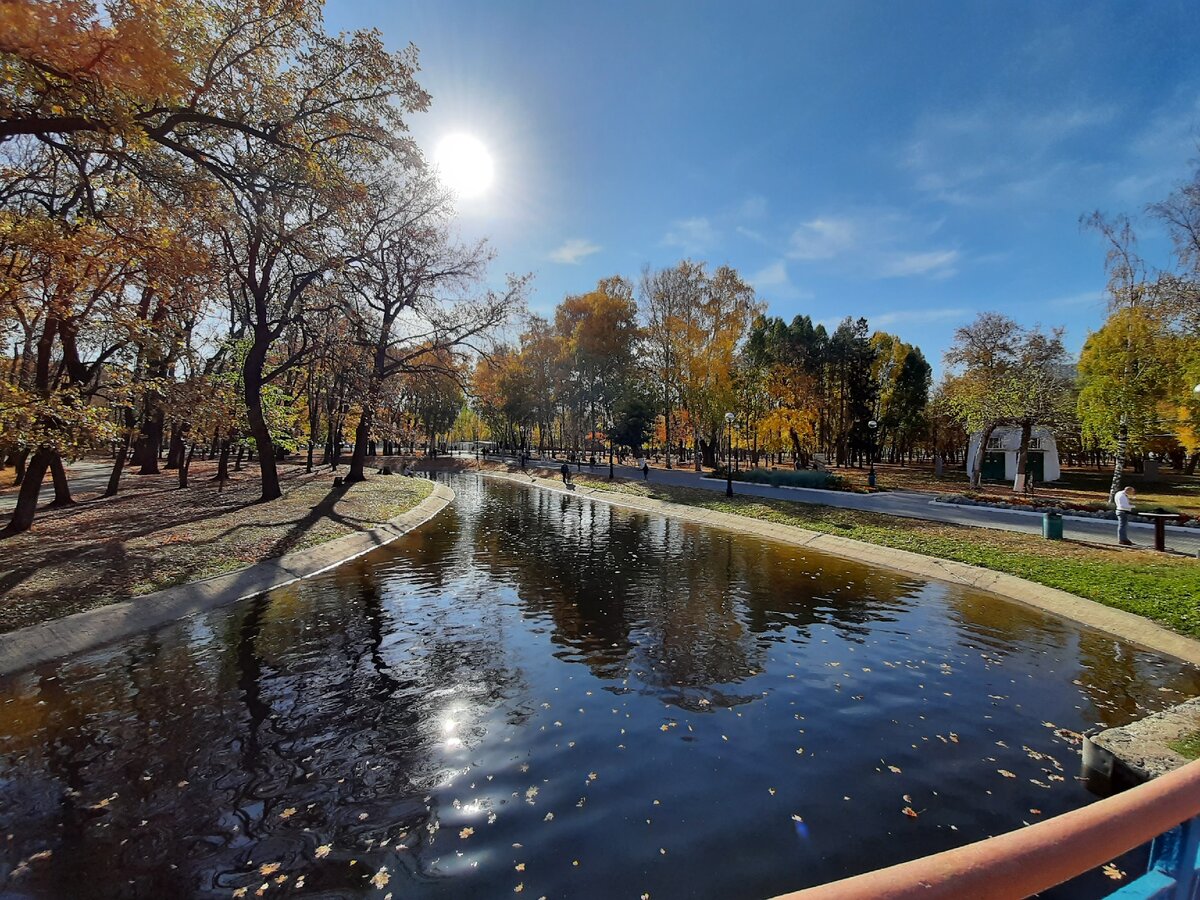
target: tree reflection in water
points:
(541, 692)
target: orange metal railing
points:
(1021, 863)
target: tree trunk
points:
(359, 456)
(186, 464)
(27, 498)
(1190, 468)
(114, 480)
(977, 460)
(1023, 455)
(175, 453)
(62, 487)
(223, 463)
(20, 462)
(152, 432)
(1119, 459)
(252, 379)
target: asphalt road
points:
(915, 505)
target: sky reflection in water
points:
(539, 695)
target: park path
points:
(85, 477)
(912, 505)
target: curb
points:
(28, 647)
(1115, 622)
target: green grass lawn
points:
(1163, 588)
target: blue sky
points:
(910, 162)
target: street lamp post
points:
(728, 453)
(871, 474)
(610, 447)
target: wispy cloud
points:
(936, 263)
(574, 251)
(999, 154)
(823, 238)
(876, 243)
(753, 207)
(691, 235)
(921, 316)
(774, 281)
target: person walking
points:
(1124, 500)
(566, 473)
(645, 467)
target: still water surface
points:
(554, 697)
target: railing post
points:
(1172, 873)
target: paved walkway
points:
(913, 505)
(85, 478)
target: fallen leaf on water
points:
(1006, 773)
(381, 878)
(895, 769)
(910, 812)
(549, 817)
(1112, 872)
(323, 850)
(466, 833)
(520, 867)
(268, 868)
(288, 813)
(520, 887)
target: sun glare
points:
(463, 164)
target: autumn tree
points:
(412, 295)
(598, 332)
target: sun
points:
(463, 164)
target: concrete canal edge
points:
(28, 647)
(1142, 750)
(1118, 623)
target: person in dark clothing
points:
(566, 473)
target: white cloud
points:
(935, 263)
(574, 251)
(774, 281)
(918, 316)
(753, 207)
(876, 243)
(691, 235)
(770, 276)
(823, 238)
(999, 153)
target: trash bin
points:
(1052, 525)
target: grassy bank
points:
(1165, 589)
(153, 535)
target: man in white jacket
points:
(1124, 500)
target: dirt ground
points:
(153, 535)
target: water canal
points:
(554, 697)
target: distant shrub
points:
(803, 478)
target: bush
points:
(804, 478)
